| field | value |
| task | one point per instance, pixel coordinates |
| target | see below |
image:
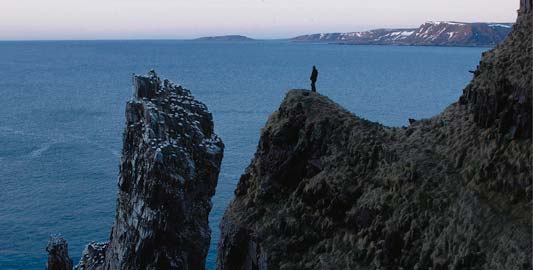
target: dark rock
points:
(146, 86)
(169, 170)
(329, 190)
(58, 258)
(526, 6)
(246, 254)
(93, 257)
(500, 95)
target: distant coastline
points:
(431, 33)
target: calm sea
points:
(62, 115)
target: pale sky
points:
(170, 19)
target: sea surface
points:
(62, 117)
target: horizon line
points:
(244, 35)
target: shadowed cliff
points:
(329, 190)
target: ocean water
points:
(62, 116)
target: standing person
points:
(314, 76)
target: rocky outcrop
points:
(58, 258)
(93, 256)
(169, 169)
(428, 34)
(329, 190)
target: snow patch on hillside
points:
(500, 25)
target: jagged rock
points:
(329, 190)
(146, 86)
(58, 258)
(169, 170)
(93, 256)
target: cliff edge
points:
(169, 170)
(329, 190)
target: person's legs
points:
(313, 87)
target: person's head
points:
(314, 67)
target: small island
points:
(225, 38)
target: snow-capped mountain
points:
(428, 34)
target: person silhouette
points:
(314, 76)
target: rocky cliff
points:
(169, 169)
(329, 190)
(428, 34)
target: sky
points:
(181, 19)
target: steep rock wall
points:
(169, 170)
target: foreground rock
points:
(329, 190)
(58, 258)
(169, 169)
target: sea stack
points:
(58, 258)
(329, 190)
(168, 173)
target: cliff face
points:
(329, 190)
(168, 174)
(500, 93)
(428, 34)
